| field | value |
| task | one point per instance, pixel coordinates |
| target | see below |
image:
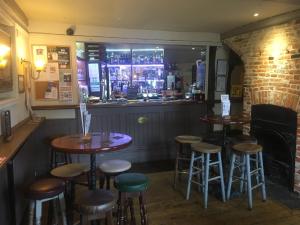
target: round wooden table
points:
(226, 121)
(96, 143)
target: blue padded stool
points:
(129, 185)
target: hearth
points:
(275, 128)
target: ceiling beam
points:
(15, 12)
(272, 21)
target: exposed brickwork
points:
(271, 75)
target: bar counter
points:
(152, 124)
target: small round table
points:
(93, 144)
(226, 121)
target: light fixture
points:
(39, 66)
(4, 50)
(256, 14)
(193, 48)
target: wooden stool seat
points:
(187, 139)
(115, 166)
(94, 202)
(45, 188)
(247, 148)
(69, 170)
(203, 147)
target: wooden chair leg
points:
(132, 216)
(243, 172)
(142, 209)
(188, 191)
(233, 156)
(207, 159)
(109, 218)
(221, 176)
(119, 209)
(176, 166)
(262, 176)
(249, 185)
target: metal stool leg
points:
(221, 176)
(38, 212)
(207, 159)
(249, 186)
(190, 176)
(233, 156)
(62, 206)
(262, 175)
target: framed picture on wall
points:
(221, 76)
(21, 83)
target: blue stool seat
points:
(131, 182)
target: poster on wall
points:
(51, 72)
(65, 87)
(60, 54)
(45, 90)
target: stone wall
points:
(272, 71)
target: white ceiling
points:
(171, 15)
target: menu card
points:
(85, 119)
(225, 105)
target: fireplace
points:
(275, 128)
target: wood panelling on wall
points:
(153, 129)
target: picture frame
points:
(21, 83)
(221, 76)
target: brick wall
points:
(272, 71)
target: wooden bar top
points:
(19, 135)
(134, 103)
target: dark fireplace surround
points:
(275, 128)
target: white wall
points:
(15, 101)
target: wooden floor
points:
(166, 206)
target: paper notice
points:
(225, 105)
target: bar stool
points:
(111, 168)
(130, 185)
(43, 190)
(95, 204)
(69, 173)
(55, 155)
(183, 153)
(245, 150)
(200, 164)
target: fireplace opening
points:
(275, 128)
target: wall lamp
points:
(4, 50)
(39, 66)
